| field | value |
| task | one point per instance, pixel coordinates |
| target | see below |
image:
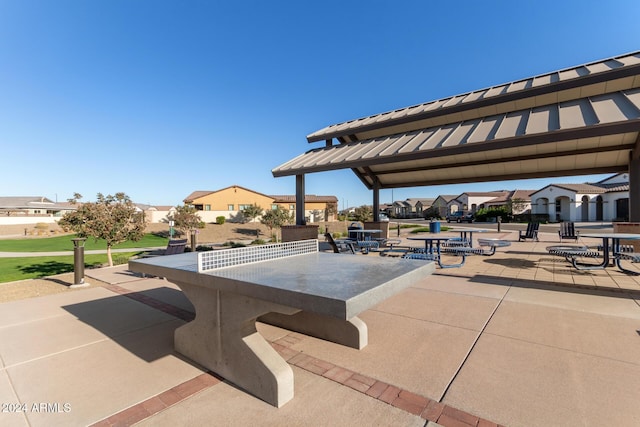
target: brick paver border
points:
(405, 400)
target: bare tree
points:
(112, 218)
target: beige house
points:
(231, 201)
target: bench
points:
(627, 256)
(572, 251)
(174, 247)
(493, 244)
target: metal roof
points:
(582, 120)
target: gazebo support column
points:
(299, 231)
(634, 184)
(300, 219)
(376, 201)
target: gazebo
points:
(576, 121)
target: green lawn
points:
(12, 269)
(64, 243)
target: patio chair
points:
(531, 233)
(568, 231)
(340, 246)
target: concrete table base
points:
(225, 340)
(319, 294)
(351, 333)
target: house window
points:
(230, 207)
(207, 207)
(292, 207)
(274, 207)
(243, 207)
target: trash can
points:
(434, 226)
(354, 226)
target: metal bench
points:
(627, 256)
(572, 251)
(423, 254)
(491, 243)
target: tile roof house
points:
(606, 200)
(31, 209)
(521, 197)
(472, 201)
(412, 207)
(230, 201)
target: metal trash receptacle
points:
(434, 226)
(353, 226)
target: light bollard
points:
(78, 262)
(194, 234)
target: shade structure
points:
(582, 120)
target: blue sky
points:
(161, 98)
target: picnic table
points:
(433, 251)
(364, 239)
(294, 285)
(468, 232)
(612, 250)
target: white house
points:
(607, 200)
(31, 210)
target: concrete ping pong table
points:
(291, 285)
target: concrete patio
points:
(517, 339)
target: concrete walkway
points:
(516, 339)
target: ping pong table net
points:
(212, 260)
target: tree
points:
(186, 218)
(363, 213)
(330, 210)
(517, 206)
(276, 218)
(112, 218)
(252, 212)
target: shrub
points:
(336, 235)
(484, 214)
(258, 242)
(234, 244)
(119, 259)
(203, 248)
(220, 220)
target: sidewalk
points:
(516, 339)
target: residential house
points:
(155, 214)
(412, 207)
(31, 210)
(230, 201)
(606, 200)
(317, 208)
(441, 204)
(471, 202)
(522, 199)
